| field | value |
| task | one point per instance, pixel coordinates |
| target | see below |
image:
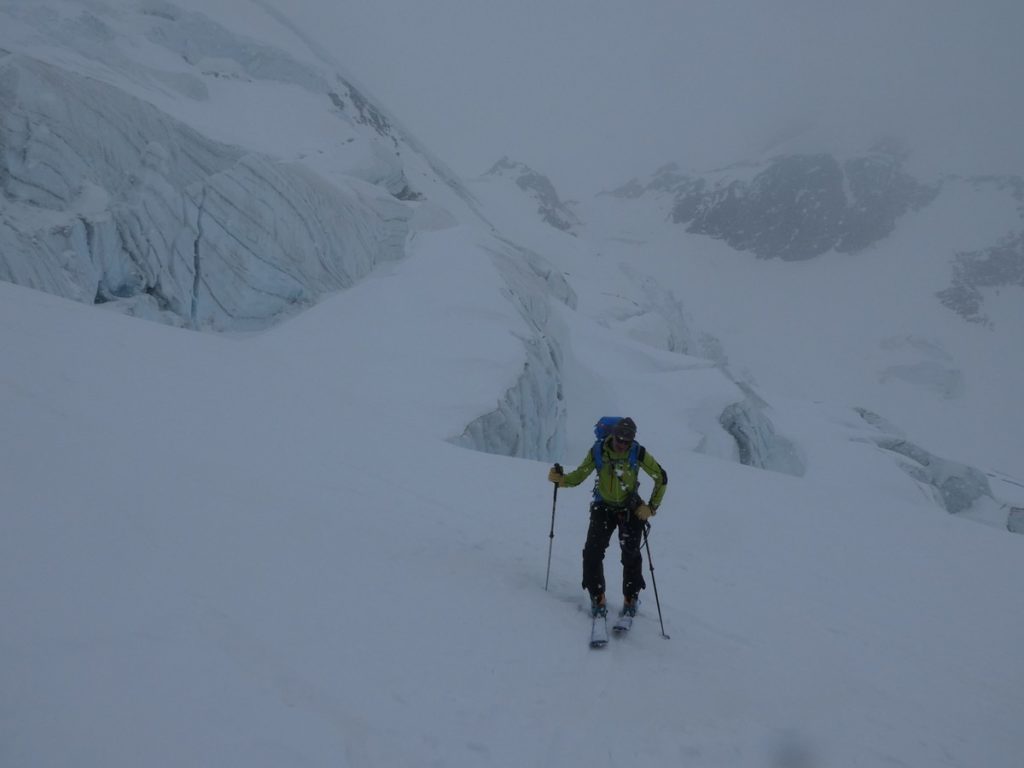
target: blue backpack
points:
(602, 429)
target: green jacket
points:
(617, 480)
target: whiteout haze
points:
(315, 532)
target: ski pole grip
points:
(558, 468)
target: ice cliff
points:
(149, 163)
(107, 199)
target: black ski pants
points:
(604, 520)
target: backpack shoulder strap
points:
(636, 454)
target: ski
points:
(599, 632)
(623, 624)
(625, 621)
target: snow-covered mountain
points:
(800, 206)
(274, 548)
(550, 207)
(794, 206)
(868, 328)
(151, 154)
(161, 162)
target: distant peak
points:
(552, 209)
(507, 164)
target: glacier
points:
(119, 190)
(109, 200)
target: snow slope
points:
(262, 551)
(864, 329)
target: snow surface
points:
(267, 549)
(262, 551)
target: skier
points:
(616, 504)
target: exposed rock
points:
(1002, 265)
(1015, 521)
(793, 207)
(550, 207)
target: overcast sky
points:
(594, 92)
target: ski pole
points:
(551, 536)
(654, 583)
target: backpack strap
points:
(636, 454)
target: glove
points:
(555, 476)
(643, 512)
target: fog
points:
(593, 92)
